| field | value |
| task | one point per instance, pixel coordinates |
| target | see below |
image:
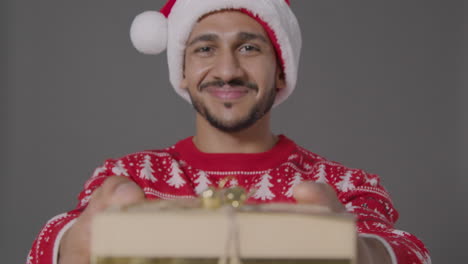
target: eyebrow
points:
(246, 36)
(243, 36)
(204, 37)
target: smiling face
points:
(231, 70)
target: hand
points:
(318, 193)
(116, 190)
(370, 250)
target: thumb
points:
(317, 193)
(127, 193)
(309, 193)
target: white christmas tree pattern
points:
(263, 188)
(371, 180)
(30, 258)
(380, 225)
(119, 169)
(321, 175)
(400, 232)
(98, 171)
(147, 170)
(202, 182)
(85, 200)
(346, 184)
(424, 259)
(350, 207)
(176, 179)
(296, 179)
(233, 182)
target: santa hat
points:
(152, 32)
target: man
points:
(233, 60)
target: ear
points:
(280, 78)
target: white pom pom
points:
(149, 32)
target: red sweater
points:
(183, 171)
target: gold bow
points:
(213, 198)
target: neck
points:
(255, 139)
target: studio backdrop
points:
(382, 87)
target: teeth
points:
(232, 88)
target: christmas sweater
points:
(182, 171)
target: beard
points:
(255, 113)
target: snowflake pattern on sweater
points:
(182, 171)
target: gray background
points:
(382, 87)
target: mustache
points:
(233, 83)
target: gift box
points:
(161, 233)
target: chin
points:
(231, 116)
(233, 122)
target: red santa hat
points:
(152, 32)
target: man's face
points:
(231, 71)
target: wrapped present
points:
(210, 230)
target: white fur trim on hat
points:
(149, 32)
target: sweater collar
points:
(188, 152)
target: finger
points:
(104, 195)
(127, 193)
(317, 193)
(309, 192)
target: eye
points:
(204, 50)
(249, 48)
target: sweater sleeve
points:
(363, 196)
(46, 245)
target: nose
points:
(227, 67)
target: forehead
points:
(227, 22)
